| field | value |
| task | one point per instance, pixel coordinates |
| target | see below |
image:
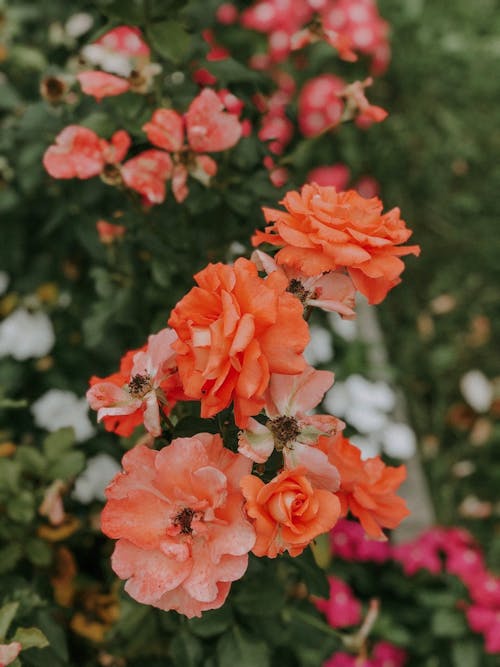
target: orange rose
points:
(325, 230)
(288, 512)
(234, 330)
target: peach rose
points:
(325, 230)
(288, 512)
(178, 516)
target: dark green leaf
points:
(238, 647)
(170, 39)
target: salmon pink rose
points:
(234, 330)
(325, 230)
(178, 516)
(288, 512)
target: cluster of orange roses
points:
(186, 516)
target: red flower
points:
(147, 173)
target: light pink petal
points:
(166, 130)
(76, 154)
(140, 517)
(179, 600)
(150, 574)
(175, 464)
(102, 84)
(179, 180)
(152, 414)
(147, 173)
(256, 441)
(209, 128)
(234, 535)
(289, 394)
(320, 471)
(9, 652)
(264, 262)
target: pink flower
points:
(102, 84)
(80, 153)
(178, 517)
(207, 128)
(332, 291)
(147, 173)
(387, 655)
(341, 609)
(320, 105)
(422, 553)
(290, 429)
(342, 659)
(77, 153)
(465, 562)
(9, 652)
(337, 175)
(149, 385)
(349, 541)
(368, 187)
(487, 622)
(108, 232)
(126, 40)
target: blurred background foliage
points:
(436, 157)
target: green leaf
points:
(259, 595)
(9, 556)
(314, 577)
(231, 71)
(212, 623)
(130, 11)
(58, 442)
(7, 613)
(38, 551)
(466, 653)
(31, 638)
(68, 466)
(10, 472)
(170, 39)
(30, 459)
(448, 623)
(186, 650)
(240, 648)
(21, 508)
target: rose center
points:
(296, 288)
(184, 519)
(284, 429)
(139, 385)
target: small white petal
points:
(477, 390)
(364, 418)
(320, 348)
(346, 329)
(58, 409)
(399, 441)
(91, 483)
(369, 447)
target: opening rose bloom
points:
(367, 488)
(146, 382)
(288, 512)
(231, 330)
(208, 128)
(290, 429)
(178, 517)
(325, 230)
(332, 291)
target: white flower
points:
(78, 24)
(477, 390)
(4, 281)
(91, 483)
(57, 409)
(24, 335)
(320, 348)
(346, 329)
(369, 447)
(109, 61)
(399, 441)
(362, 403)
